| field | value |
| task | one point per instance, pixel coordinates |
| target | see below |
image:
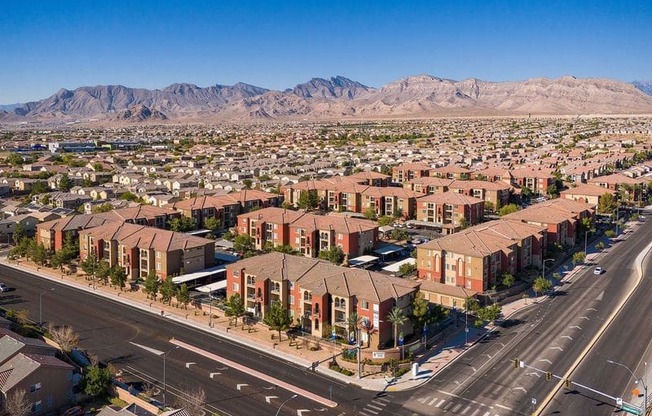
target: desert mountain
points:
(645, 86)
(140, 113)
(339, 97)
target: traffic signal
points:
(567, 383)
(516, 363)
(548, 376)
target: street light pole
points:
(586, 233)
(40, 306)
(165, 386)
(286, 400)
(636, 380)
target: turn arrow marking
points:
(189, 364)
(240, 386)
(214, 374)
(300, 412)
(268, 399)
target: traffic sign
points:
(630, 409)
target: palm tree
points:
(397, 318)
(354, 323)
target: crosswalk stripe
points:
(432, 401)
(466, 410)
(362, 412)
(449, 404)
(382, 399)
(366, 411)
(476, 412)
(456, 408)
(440, 403)
(375, 407)
(487, 414)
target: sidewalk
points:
(437, 358)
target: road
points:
(128, 339)
(548, 335)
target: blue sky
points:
(48, 44)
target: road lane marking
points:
(476, 412)
(240, 386)
(269, 399)
(585, 317)
(433, 401)
(503, 407)
(212, 375)
(189, 364)
(456, 408)
(545, 360)
(150, 349)
(575, 327)
(445, 408)
(375, 407)
(567, 337)
(250, 371)
(440, 403)
(556, 348)
(465, 411)
(600, 296)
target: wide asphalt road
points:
(550, 336)
(124, 336)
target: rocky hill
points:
(341, 98)
(645, 86)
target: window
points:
(158, 254)
(291, 300)
(35, 387)
(36, 407)
(364, 304)
(236, 287)
(236, 273)
(158, 266)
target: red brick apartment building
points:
(450, 210)
(308, 233)
(321, 296)
(141, 249)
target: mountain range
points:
(339, 98)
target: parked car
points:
(597, 270)
(3, 287)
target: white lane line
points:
(150, 349)
(556, 348)
(568, 337)
(545, 360)
(503, 407)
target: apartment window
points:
(291, 300)
(236, 273)
(36, 407)
(158, 266)
(158, 254)
(35, 387)
(339, 236)
(364, 305)
(236, 287)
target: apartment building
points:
(476, 257)
(321, 296)
(308, 233)
(141, 249)
(409, 171)
(451, 211)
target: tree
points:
(385, 220)
(89, 265)
(97, 381)
(464, 223)
(18, 404)
(508, 280)
(106, 207)
(399, 234)
(167, 290)
(471, 304)
(406, 269)
(243, 244)
(353, 324)
(152, 284)
(368, 328)
(277, 318)
(183, 295)
(398, 319)
(489, 206)
(65, 183)
(40, 255)
(578, 257)
(65, 336)
(247, 183)
(487, 314)
(421, 315)
(335, 255)
(370, 213)
(308, 200)
(118, 276)
(182, 224)
(103, 271)
(541, 285)
(39, 188)
(507, 209)
(213, 224)
(607, 203)
(192, 402)
(129, 196)
(14, 159)
(234, 307)
(19, 232)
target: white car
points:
(3, 288)
(597, 270)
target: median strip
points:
(294, 389)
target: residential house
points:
(450, 210)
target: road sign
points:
(630, 409)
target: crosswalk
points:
(376, 406)
(453, 406)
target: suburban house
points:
(30, 364)
(321, 296)
(140, 249)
